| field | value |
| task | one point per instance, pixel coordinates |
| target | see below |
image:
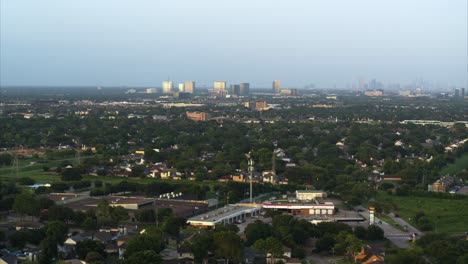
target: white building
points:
(167, 87)
(325, 209)
(219, 86)
(226, 215)
(302, 195)
(151, 90)
(181, 87)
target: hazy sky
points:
(141, 43)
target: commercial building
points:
(378, 92)
(325, 209)
(289, 92)
(181, 87)
(181, 208)
(303, 195)
(276, 87)
(151, 90)
(244, 88)
(240, 89)
(189, 87)
(226, 215)
(196, 116)
(234, 89)
(260, 105)
(219, 86)
(167, 87)
(404, 93)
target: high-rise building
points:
(167, 87)
(276, 87)
(244, 88)
(362, 84)
(181, 87)
(219, 85)
(234, 89)
(462, 93)
(456, 93)
(189, 87)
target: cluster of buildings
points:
(185, 87)
(441, 185)
(305, 203)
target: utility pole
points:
(251, 164)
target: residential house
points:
(269, 176)
(239, 177)
(287, 252)
(185, 255)
(7, 258)
(370, 254)
(225, 178)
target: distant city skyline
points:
(328, 44)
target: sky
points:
(300, 42)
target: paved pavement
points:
(397, 237)
(403, 223)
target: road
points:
(399, 238)
(402, 222)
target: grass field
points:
(459, 165)
(29, 168)
(449, 216)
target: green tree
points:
(94, 257)
(25, 204)
(144, 257)
(375, 233)
(48, 251)
(118, 214)
(347, 243)
(57, 231)
(83, 247)
(405, 256)
(270, 246)
(229, 246)
(144, 242)
(103, 211)
(325, 244)
(71, 174)
(257, 230)
(201, 244)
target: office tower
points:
(373, 84)
(234, 89)
(462, 93)
(181, 87)
(457, 93)
(219, 85)
(276, 87)
(167, 87)
(244, 88)
(189, 86)
(362, 84)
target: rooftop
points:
(220, 214)
(309, 191)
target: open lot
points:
(449, 216)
